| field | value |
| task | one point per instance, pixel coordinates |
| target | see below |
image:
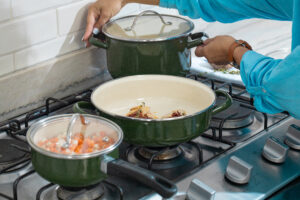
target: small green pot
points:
(82, 170)
(128, 55)
(123, 92)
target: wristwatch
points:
(232, 47)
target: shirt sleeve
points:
(274, 83)
(232, 10)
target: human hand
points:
(98, 14)
(216, 49)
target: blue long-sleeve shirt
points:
(274, 83)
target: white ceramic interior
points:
(162, 93)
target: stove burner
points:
(160, 153)
(170, 162)
(236, 116)
(11, 153)
(86, 193)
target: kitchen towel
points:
(202, 67)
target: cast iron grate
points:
(17, 127)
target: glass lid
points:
(89, 136)
(148, 26)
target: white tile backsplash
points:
(4, 9)
(72, 17)
(132, 8)
(48, 50)
(41, 52)
(6, 64)
(59, 77)
(23, 7)
(27, 31)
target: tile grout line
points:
(45, 41)
(57, 22)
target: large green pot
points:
(81, 170)
(162, 94)
(154, 48)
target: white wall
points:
(33, 31)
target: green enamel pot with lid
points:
(148, 43)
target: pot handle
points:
(84, 107)
(121, 168)
(99, 41)
(223, 106)
(196, 39)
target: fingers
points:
(207, 41)
(199, 51)
(91, 20)
(104, 17)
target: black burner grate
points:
(190, 157)
(9, 152)
(16, 128)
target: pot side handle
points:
(124, 169)
(99, 42)
(196, 39)
(223, 106)
(84, 107)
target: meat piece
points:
(175, 113)
(141, 111)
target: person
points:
(274, 83)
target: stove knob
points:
(293, 137)
(238, 171)
(200, 191)
(275, 151)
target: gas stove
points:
(245, 154)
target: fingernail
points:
(96, 31)
(85, 44)
(82, 38)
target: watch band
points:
(234, 45)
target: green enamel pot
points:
(148, 44)
(163, 94)
(82, 170)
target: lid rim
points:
(186, 33)
(39, 124)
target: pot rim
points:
(33, 128)
(153, 120)
(184, 34)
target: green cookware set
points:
(148, 56)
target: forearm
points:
(150, 2)
(231, 10)
(273, 82)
